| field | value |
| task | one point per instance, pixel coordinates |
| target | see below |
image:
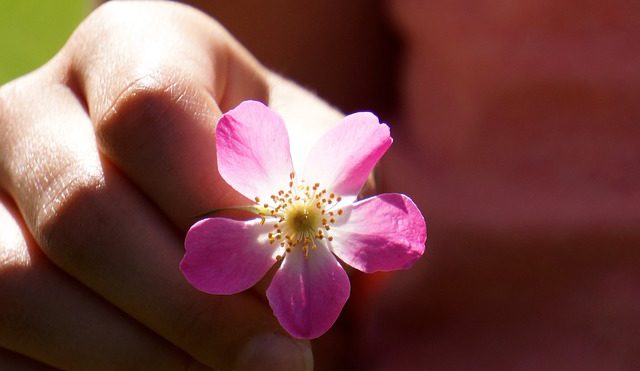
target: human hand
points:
(108, 153)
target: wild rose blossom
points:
(303, 218)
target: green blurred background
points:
(32, 31)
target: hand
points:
(107, 154)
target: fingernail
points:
(275, 352)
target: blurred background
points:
(32, 31)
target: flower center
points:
(302, 218)
(304, 215)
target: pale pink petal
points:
(342, 159)
(382, 233)
(225, 256)
(253, 150)
(308, 293)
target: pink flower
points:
(303, 218)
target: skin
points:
(518, 137)
(108, 154)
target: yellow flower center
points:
(304, 215)
(302, 218)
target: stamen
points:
(301, 216)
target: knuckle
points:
(150, 107)
(73, 211)
(146, 95)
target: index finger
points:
(154, 101)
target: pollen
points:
(303, 215)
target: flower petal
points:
(308, 293)
(253, 150)
(382, 233)
(225, 256)
(342, 159)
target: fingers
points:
(155, 116)
(97, 227)
(154, 98)
(47, 316)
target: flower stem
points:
(251, 209)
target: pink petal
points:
(343, 158)
(307, 294)
(253, 150)
(382, 233)
(225, 256)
